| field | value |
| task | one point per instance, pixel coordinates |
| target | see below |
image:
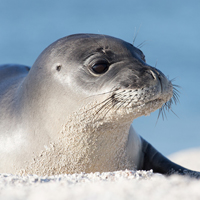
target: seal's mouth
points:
(139, 108)
(138, 102)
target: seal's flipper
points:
(155, 160)
(12, 70)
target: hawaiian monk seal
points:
(72, 111)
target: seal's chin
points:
(151, 106)
(135, 111)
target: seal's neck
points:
(95, 145)
(87, 143)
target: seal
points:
(72, 111)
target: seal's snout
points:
(166, 86)
(156, 77)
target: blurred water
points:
(171, 31)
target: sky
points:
(170, 30)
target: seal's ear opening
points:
(58, 67)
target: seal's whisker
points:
(156, 63)
(113, 105)
(174, 113)
(164, 109)
(141, 44)
(175, 98)
(175, 87)
(123, 103)
(159, 113)
(99, 94)
(174, 79)
(162, 112)
(111, 91)
(100, 103)
(167, 105)
(103, 109)
(104, 105)
(135, 35)
(176, 92)
(110, 103)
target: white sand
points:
(111, 185)
(189, 158)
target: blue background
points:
(171, 30)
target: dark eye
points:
(100, 68)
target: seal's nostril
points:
(153, 74)
(157, 76)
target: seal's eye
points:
(100, 68)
